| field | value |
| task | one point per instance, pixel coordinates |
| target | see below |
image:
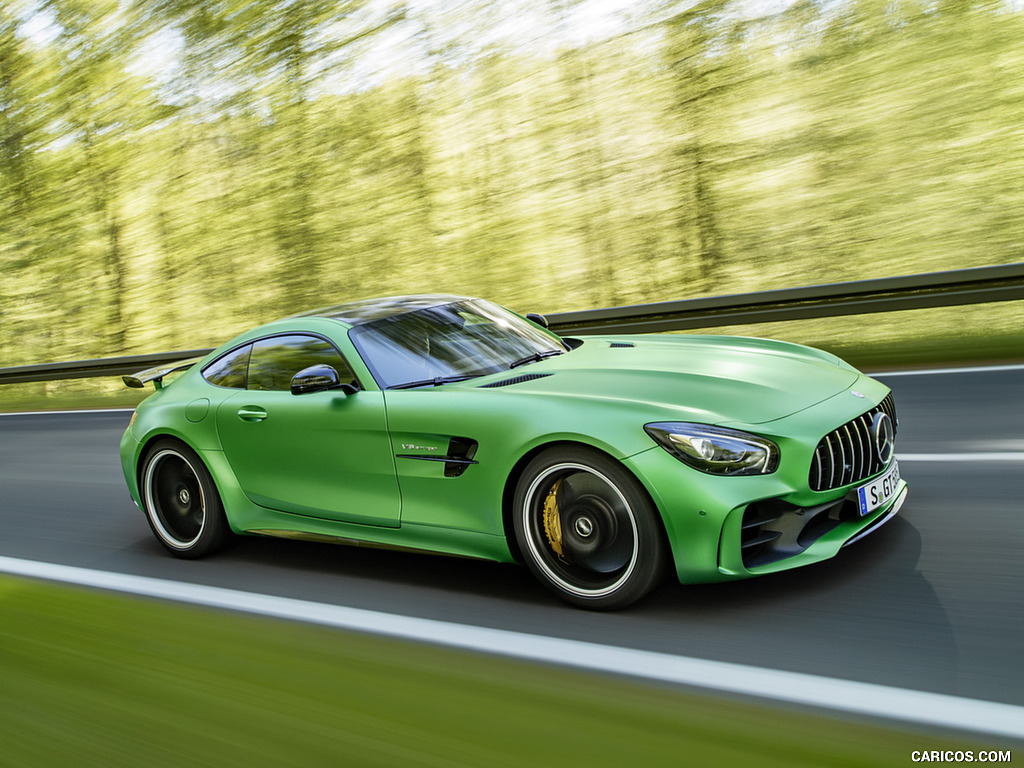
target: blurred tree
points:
(99, 106)
(693, 36)
(19, 138)
(273, 54)
(172, 171)
(18, 124)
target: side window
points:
(229, 370)
(275, 360)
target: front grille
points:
(847, 455)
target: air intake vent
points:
(516, 380)
(774, 529)
(621, 345)
(847, 455)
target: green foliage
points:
(293, 154)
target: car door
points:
(323, 454)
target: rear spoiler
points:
(157, 373)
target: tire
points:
(181, 502)
(588, 530)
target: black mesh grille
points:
(847, 455)
(516, 380)
(621, 345)
(774, 529)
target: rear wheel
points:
(588, 530)
(181, 502)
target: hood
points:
(709, 379)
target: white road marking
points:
(62, 413)
(932, 709)
(960, 457)
(927, 371)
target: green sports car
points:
(450, 424)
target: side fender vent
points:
(516, 380)
(621, 345)
(461, 451)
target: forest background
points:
(175, 171)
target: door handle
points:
(251, 413)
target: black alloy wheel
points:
(588, 530)
(181, 502)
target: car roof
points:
(366, 310)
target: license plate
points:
(878, 491)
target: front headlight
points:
(716, 450)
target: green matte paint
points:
(324, 455)
(333, 465)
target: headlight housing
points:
(716, 450)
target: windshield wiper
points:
(437, 381)
(535, 357)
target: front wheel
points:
(181, 502)
(587, 529)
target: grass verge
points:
(95, 679)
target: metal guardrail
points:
(86, 369)
(978, 285)
(888, 294)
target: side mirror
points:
(318, 378)
(540, 320)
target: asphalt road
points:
(934, 601)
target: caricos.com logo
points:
(960, 756)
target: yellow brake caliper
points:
(552, 522)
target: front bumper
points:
(771, 535)
(723, 528)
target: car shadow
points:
(867, 614)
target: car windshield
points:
(450, 342)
